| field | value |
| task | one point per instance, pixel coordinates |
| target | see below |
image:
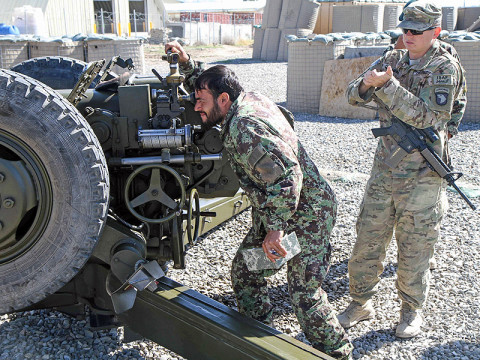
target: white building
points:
(69, 17)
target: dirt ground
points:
(211, 53)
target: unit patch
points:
(441, 96)
(442, 79)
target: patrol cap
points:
(421, 15)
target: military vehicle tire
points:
(56, 71)
(53, 194)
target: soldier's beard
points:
(214, 118)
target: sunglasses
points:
(416, 32)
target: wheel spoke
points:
(155, 181)
(166, 200)
(156, 191)
(142, 199)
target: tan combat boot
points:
(433, 263)
(410, 322)
(356, 312)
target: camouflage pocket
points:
(422, 193)
(429, 220)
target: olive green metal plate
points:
(197, 327)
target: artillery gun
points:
(103, 185)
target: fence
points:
(210, 32)
(14, 52)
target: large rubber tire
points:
(55, 71)
(54, 146)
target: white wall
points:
(66, 17)
(155, 14)
(213, 33)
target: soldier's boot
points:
(267, 319)
(356, 312)
(344, 357)
(347, 357)
(410, 322)
(433, 263)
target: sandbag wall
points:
(280, 19)
(466, 17)
(106, 49)
(71, 49)
(305, 71)
(338, 16)
(469, 53)
(309, 81)
(363, 18)
(13, 51)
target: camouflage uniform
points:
(458, 110)
(287, 193)
(410, 198)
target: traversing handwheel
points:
(155, 193)
(193, 216)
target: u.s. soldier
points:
(288, 195)
(421, 85)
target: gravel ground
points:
(343, 150)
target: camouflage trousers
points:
(412, 208)
(305, 274)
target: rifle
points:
(410, 138)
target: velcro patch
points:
(256, 155)
(263, 162)
(442, 79)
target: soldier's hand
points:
(272, 245)
(377, 78)
(175, 47)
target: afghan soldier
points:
(288, 195)
(422, 86)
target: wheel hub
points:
(25, 198)
(17, 196)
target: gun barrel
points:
(462, 194)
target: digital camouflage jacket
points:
(272, 166)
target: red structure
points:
(223, 18)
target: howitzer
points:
(103, 185)
(409, 139)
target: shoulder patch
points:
(441, 96)
(267, 165)
(256, 155)
(442, 79)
